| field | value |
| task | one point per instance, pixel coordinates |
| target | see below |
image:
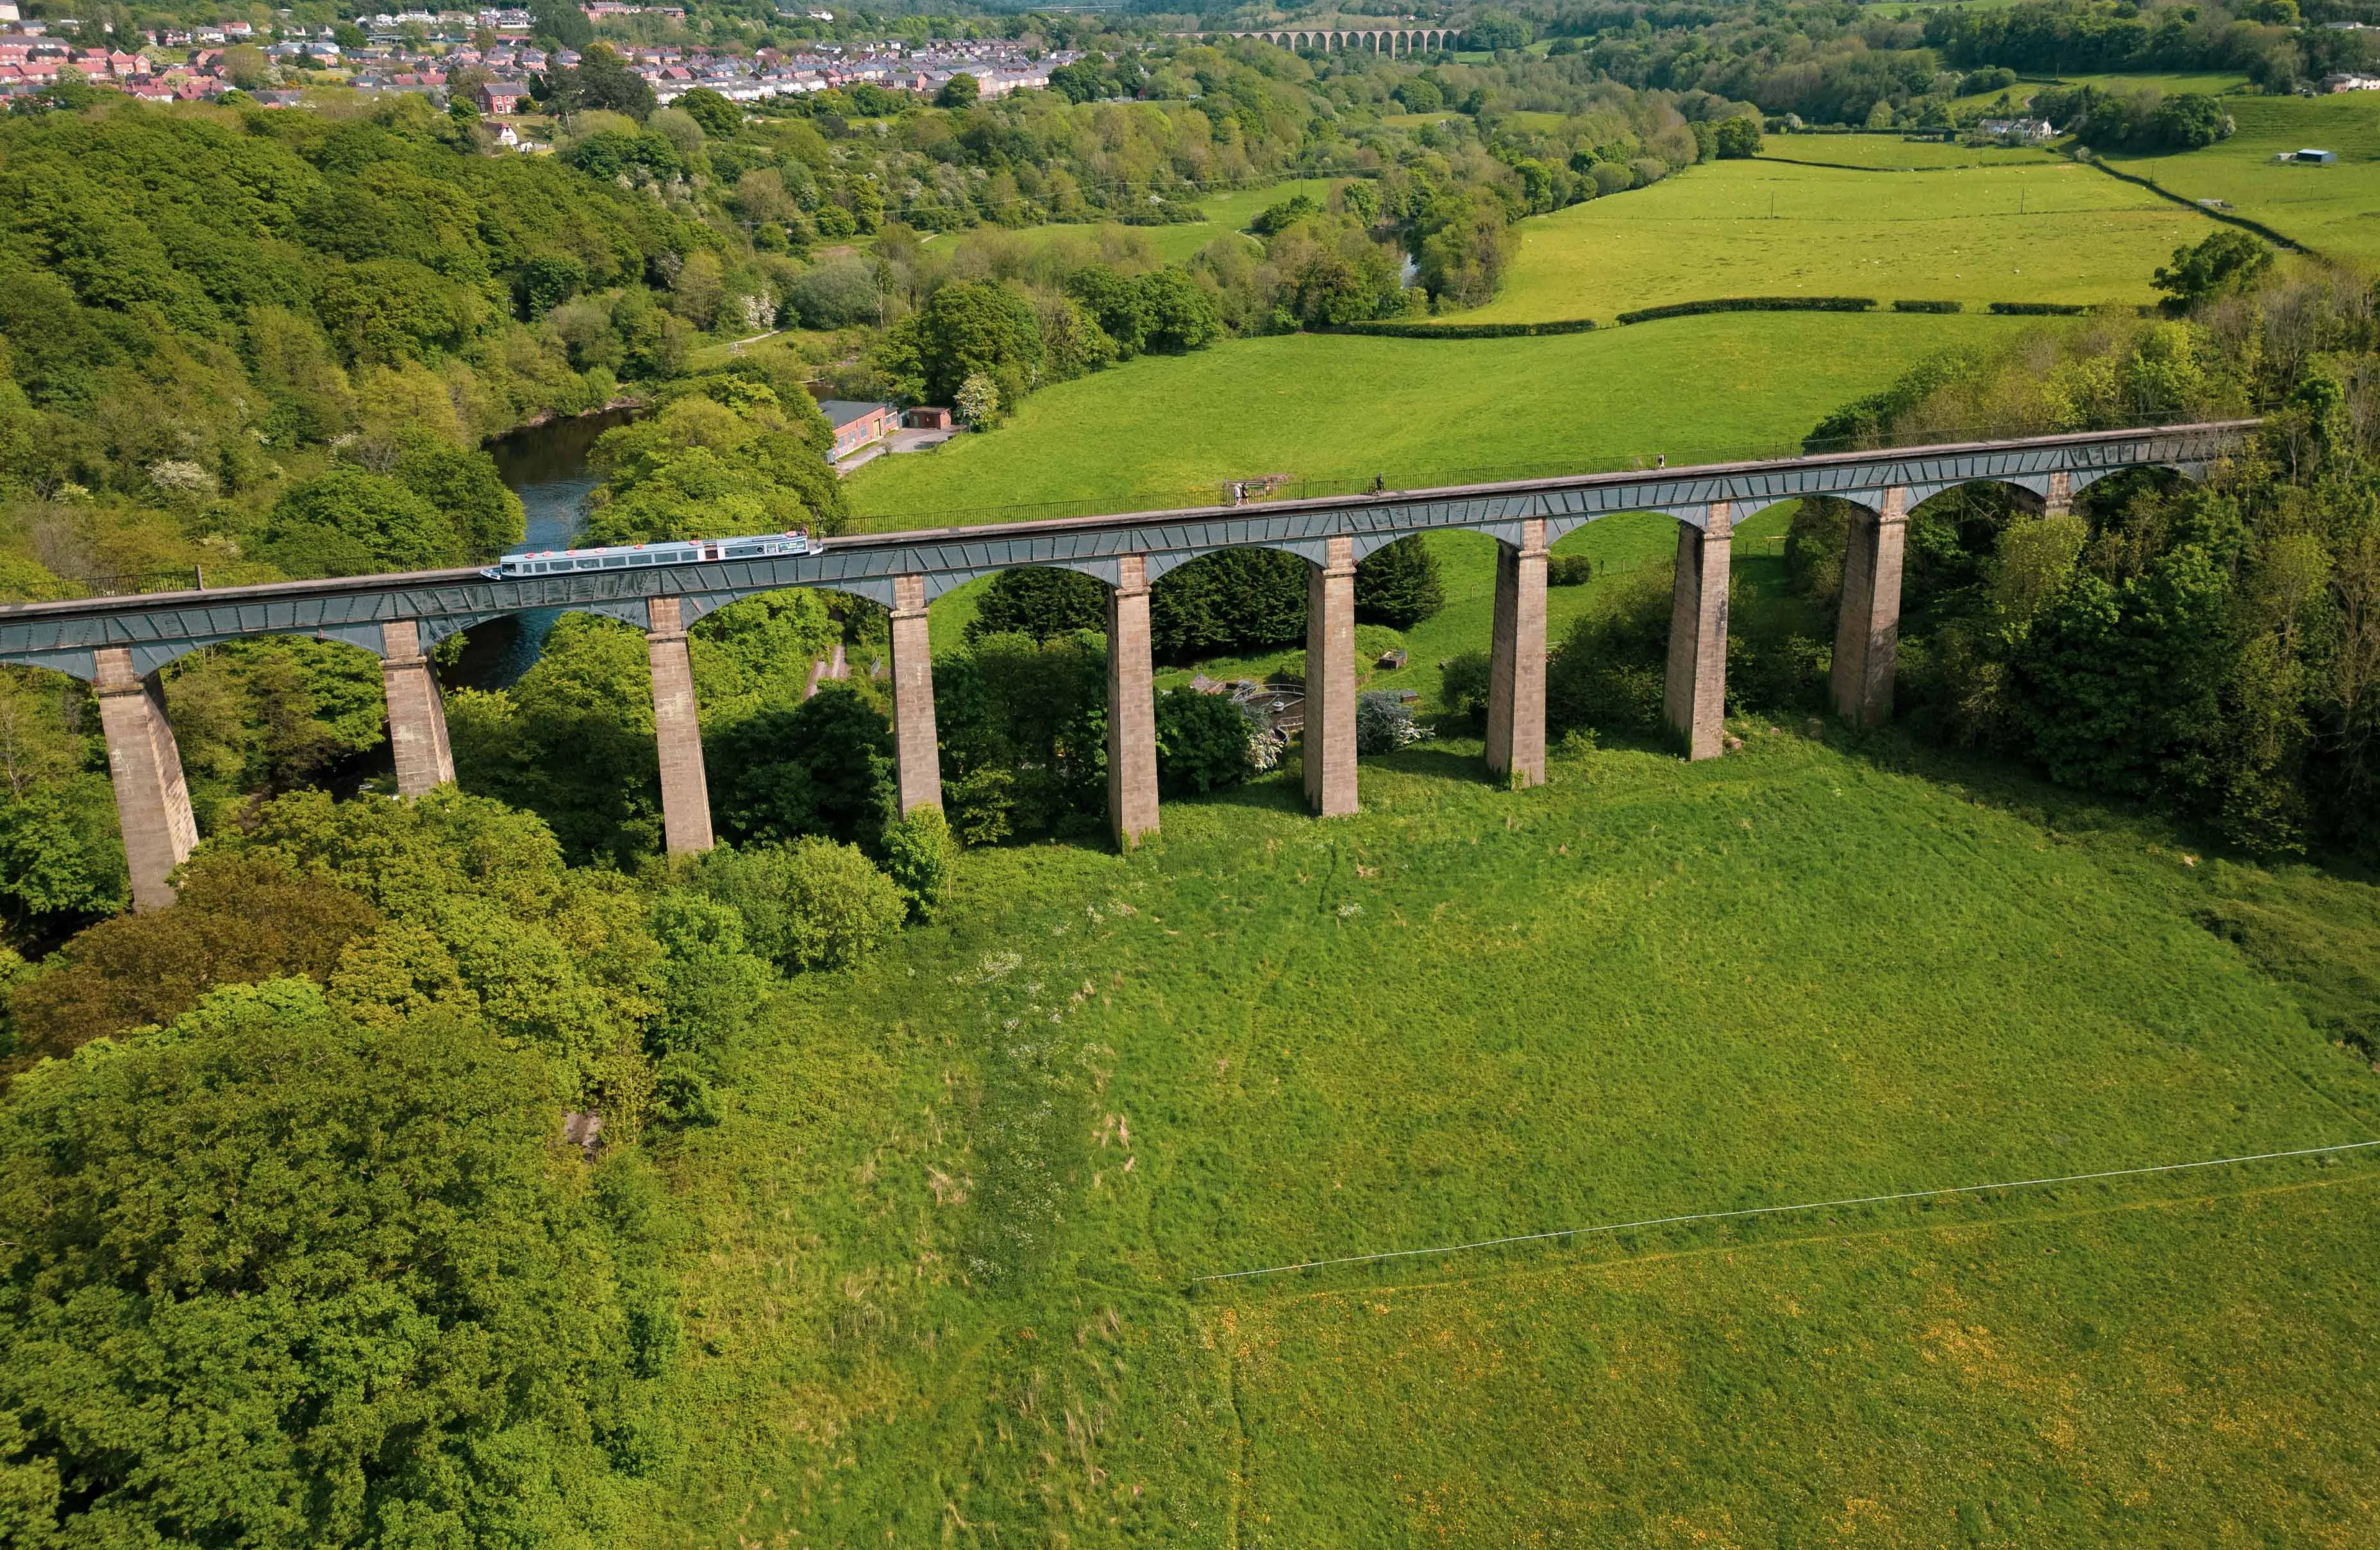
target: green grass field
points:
(938, 1275)
(2026, 229)
(2334, 210)
(1336, 410)
(1892, 152)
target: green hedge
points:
(1754, 304)
(1463, 330)
(1927, 306)
(2039, 309)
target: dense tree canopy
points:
(352, 1303)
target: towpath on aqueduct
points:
(120, 643)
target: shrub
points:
(1462, 685)
(1753, 304)
(1570, 570)
(1202, 743)
(1384, 723)
(1927, 306)
(1609, 672)
(813, 904)
(2039, 309)
(1287, 213)
(923, 857)
(1463, 330)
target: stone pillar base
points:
(1694, 695)
(1867, 631)
(152, 801)
(1132, 707)
(1330, 735)
(1516, 676)
(677, 731)
(915, 742)
(417, 712)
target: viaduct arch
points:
(1390, 41)
(119, 644)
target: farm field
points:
(2334, 210)
(1336, 410)
(940, 1263)
(2030, 229)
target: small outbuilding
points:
(856, 423)
(926, 417)
(2311, 157)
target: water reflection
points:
(546, 465)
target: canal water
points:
(546, 465)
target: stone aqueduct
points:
(120, 643)
(1394, 42)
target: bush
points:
(1570, 570)
(1202, 743)
(1609, 672)
(1927, 306)
(1753, 304)
(923, 857)
(1279, 218)
(1462, 685)
(1398, 584)
(1463, 330)
(813, 904)
(1384, 723)
(2039, 309)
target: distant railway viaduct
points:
(1394, 42)
(118, 643)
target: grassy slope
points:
(935, 1288)
(1167, 431)
(2334, 210)
(1909, 236)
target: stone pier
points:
(1132, 707)
(1694, 695)
(1516, 680)
(1330, 735)
(153, 803)
(2060, 502)
(416, 714)
(915, 743)
(1867, 631)
(677, 729)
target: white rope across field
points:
(1781, 1210)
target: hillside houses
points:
(418, 50)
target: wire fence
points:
(1688, 1218)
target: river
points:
(546, 465)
